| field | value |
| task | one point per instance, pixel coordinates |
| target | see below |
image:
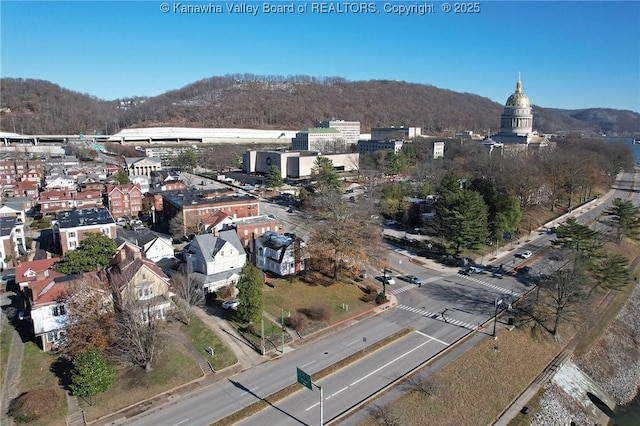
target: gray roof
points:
(211, 245)
(7, 224)
(82, 217)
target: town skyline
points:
(146, 51)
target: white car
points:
(389, 280)
(231, 304)
(526, 254)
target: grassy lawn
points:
(479, 384)
(174, 368)
(202, 337)
(341, 299)
(6, 334)
(36, 374)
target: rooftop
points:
(84, 217)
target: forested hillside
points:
(292, 102)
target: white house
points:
(280, 254)
(215, 261)
(156, 248)
(60, 182)
(141, 180)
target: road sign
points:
(388, 271)
(304, 379)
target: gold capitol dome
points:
(518, 99)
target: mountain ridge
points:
(247, 101)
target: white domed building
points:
(516, 124)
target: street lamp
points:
(495, 316)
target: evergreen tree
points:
(624, 219)
(611, 273)
(273, 178)
(462, 219)
(324, 175)
(90, 374)
(251, 301)
(577, 238)
(121, 177)
(187, 160)
(95, 251)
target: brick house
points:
(124, 200)
(195, 205)
(71, 226)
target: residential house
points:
(248, 228)
(13, 209)
(277, 253)
(87, 199)
(124, 200)
(154, 247)
(165, 176)
(216, 221)
(60, 183)
(19, 204)
(35, 270)
(46, 309)
(34, 175)
(91, 182)
(141, 282)
(214, 262)
(142, 181)
(71, 226)
(25, 189)
(56, 200)
(12, 241)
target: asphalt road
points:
(447, 307)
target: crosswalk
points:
(486, 284)
(402, 289)
(438, 317)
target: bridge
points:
(9, 139)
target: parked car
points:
(526, 254)
(121, 221)
(231, 304)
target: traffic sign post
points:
(305, 380)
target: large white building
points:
(394, 133)
(319, 139)
(295, 164)
(350, 130)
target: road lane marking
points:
(438, 317)
(389, 363)
(335, 393)
(179, 423)
(432, 338)
(373, 372)
(486, 284)
(250, 390)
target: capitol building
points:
(516, 126)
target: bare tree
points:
(140, 335)
(563, 294)
(342, 233)
(188, 295)
(386, 415)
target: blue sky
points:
(572, 54)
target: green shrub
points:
(381, 298)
